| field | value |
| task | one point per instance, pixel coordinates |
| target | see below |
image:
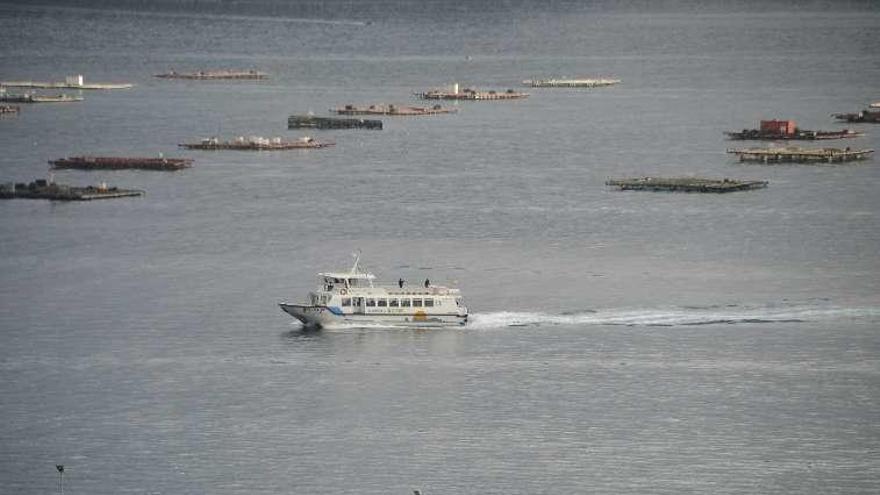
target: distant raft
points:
(120, 163)
(570, 83)
(214, 74)
(312, 122)
(800, 155)
(43, 189)
(70, 82)
(455, 93)
(787, 130)
(864, 117)
(392, 110)
(255, 143)
(685, 184)
(9, 109)
(32, 98)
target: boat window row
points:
(319, 299)
(331, 282)
(403, 302)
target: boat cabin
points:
(331, 281)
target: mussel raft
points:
(685, 184)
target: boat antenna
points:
(357, 259)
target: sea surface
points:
(619, 342)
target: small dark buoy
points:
(60, 468)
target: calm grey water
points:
(619, 343)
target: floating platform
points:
(570, 83)
(800, 135)
(214, 74)
(392, 110)
(255, 143)
(863, 117)
(470, 94)
(32, 98)
(800, 155)
(120, 163)
(43, 189)
(8, 109)
(312, 122)
(685, 184)
(71, 82)
(787, 130)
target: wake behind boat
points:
(353, 298)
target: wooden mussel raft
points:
(121, 163)
(34, 98)
(215, 74)
(312, 122)
(43, 189)
(685, 184)
(392, 110)
(470, 94)
(255, 143)
(70, 82)
(864, 117)
(785, 130)
(800, 155)
(8, 109)
(570, 83)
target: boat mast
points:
(357, 259)
(355, 269)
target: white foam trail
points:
(671, 316)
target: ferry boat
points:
(354, 298)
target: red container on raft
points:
(778, 126)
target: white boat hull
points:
(323, 316)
